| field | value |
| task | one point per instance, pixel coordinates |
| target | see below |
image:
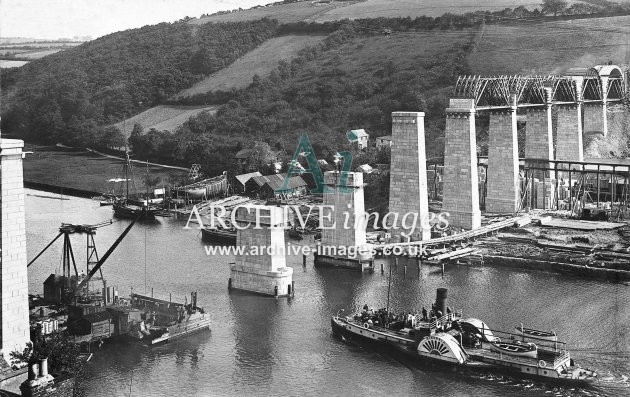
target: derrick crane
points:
(93, 263)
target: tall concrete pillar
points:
(503, 192)
(594, 118)
(461, 180)
(408, 176)
(343, 241)
(262, 268)
(569, 133)
(539, 139)
(14, 330)
(348, 202)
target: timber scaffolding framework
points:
(604, 184)
(579, 182)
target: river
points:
(264, 346)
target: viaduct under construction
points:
(557, 111)
(582, 100)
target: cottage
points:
(362, 138)
(384, 141)
(243, 159)
(365, 168)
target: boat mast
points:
(389, 287)
(127, 173)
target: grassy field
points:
(308, 11)
(163, 118)
(369, 54)
(260, 61)
(551, 47)
(55, 166)
(284, 13)
(415, 8)
(11, 64)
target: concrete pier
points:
(569, 133)
(15, 333)
(461, 180)
(595, 120)
(408, 175)
(539, 139)
(503, 182)
(263, 271)
(343, 233)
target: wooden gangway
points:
(464, 236)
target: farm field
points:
(29, 51)
(11, 64)
(284, 13)
(369, 54)
(416, 8)
(162, 118)
(38, 54)
(55, 166)
(311, 11)
(528, 49)
(260, 61)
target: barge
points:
(216, 235)
(165, 321)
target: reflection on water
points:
(263, 346)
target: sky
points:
(53, 19)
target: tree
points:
(553, 6)
(62, 354)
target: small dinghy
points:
(537, 334)
(515, 348)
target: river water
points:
(264, 346)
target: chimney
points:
(33, 369)
(43, 367)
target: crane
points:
(93, 262)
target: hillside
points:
(162, 118)
(526, 47)
(70, 95)
(324, 11)
(351, 80)
(260, 61)
(283, 13)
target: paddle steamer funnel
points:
(440, 300)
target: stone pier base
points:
(260, 281)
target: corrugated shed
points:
(262, 180)
(243, 178)
(293, 183)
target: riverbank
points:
(598, 253)
(85, 173)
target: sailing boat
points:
(132, 208)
